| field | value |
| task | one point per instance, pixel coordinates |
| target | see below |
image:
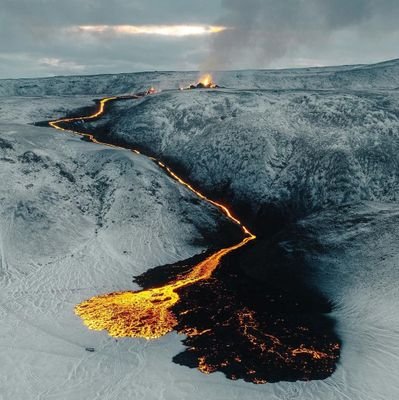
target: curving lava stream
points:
(153, 312)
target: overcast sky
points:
(57, 37)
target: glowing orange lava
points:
(151, 90)
(207, 81)
(204, 82)
(146, 313)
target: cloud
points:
(179, 36)
(61, 64)
(162, 30)
(33, 30)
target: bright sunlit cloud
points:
(162, 30)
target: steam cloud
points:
(262, 31)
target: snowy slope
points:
(27, 110)
(382, 76)
(356, 264)
(300, 150)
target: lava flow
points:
(242, 333)
(146, 313)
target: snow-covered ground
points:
(78, 220)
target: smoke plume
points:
(263, 31)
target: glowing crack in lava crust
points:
(212, 332)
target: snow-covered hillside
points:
(382, 76)
(297, 150)
(353, 253)
(78, 219)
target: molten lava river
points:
(233, 324)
